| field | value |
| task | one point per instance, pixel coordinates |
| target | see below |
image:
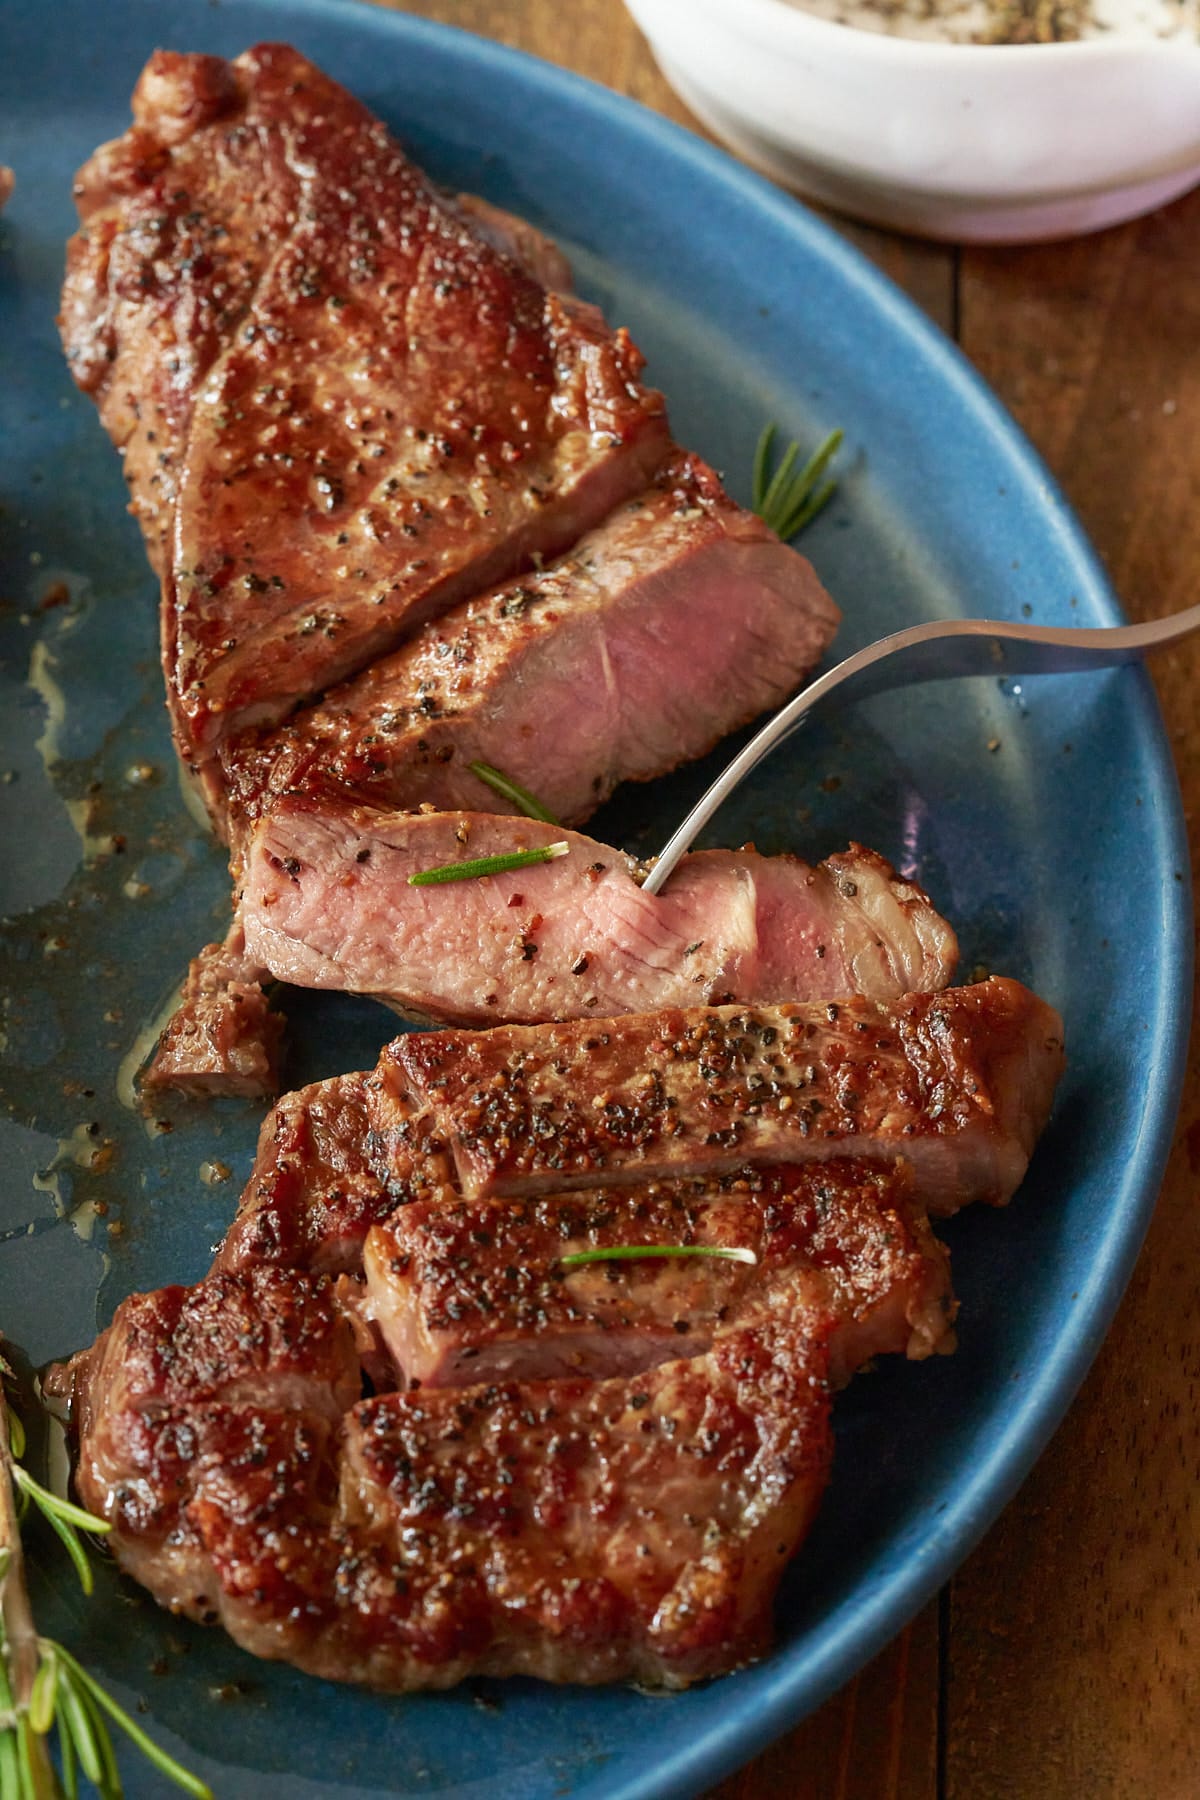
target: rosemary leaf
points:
(635, 1252)
(110, 1780)
(508, 789)
(487, 865)
(45, 1694)
(166, 1765)
(74, 1550)
(68, 1761)
(792, 497)
(78, 1722)
(53, 1507)
(762, 456)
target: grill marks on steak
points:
(677, 620)
(326, 902)
(341, 408)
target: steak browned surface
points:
(326, 902)
(958, 1085)
(340, 407)
(398, 1436)
(678, 619)
(471, 1291)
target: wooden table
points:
(1063, 1661)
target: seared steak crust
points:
(582, 1473)
(341, 408)
(959, 1083)
(678, 619)
(471, 1291)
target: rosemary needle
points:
(508, 789)
(634, 1253)
(488, 865)
(791, 498)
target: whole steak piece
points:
(341, 406)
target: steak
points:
(223, 1037)
(326, 902)
(628, 1527)
(467, 1292)
(633, 1528)
(677, 620)
(397, 1436)
(958, 1085)
(341, 408)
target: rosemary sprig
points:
(41, 1684)
(508, 789)
(578, 1259)
(790, 499)
(488, 865)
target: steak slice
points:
(677, 620)
(958, 1083)
(574, 1530)
(341, 408)
(474, 1291)
(326, 902)
(223, 1037)
(958, 1087)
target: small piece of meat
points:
(959, 1084)
(223, 1038)
(333, 1159)
(341, 409)
(474, 1291)
(326, 902)
(8, 182)
(677, 620)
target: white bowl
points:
(974, 143)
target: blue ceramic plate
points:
(1046, 823)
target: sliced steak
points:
(578, 1530)
(959, 1084)
(475, 1291)
(223, 1037)
(677, 620)
(326, 902)
(957, 1087)
(333, 1159)
(617, 1498)
(341, 408)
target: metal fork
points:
(933, 652)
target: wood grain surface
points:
(1064, 1661)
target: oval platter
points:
(1045, 822)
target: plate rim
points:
(797, 1684)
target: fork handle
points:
(939, 651)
